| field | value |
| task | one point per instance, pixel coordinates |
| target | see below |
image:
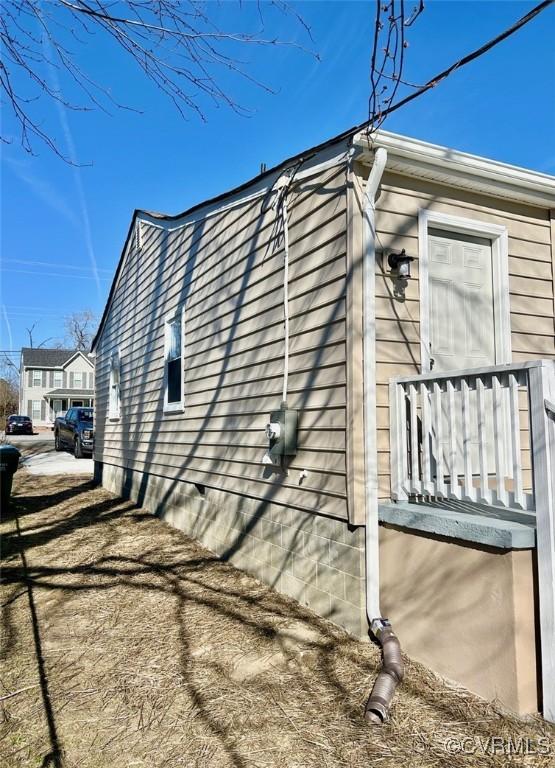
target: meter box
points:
(281, 432)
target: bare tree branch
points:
(377, 113)
(179, 46)
(80, 329)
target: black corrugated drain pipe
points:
(390, 675)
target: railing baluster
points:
(435, 449)
(469, 490)
(484, 491)
(515, 441)
(498, 438)
(426, 439)
(454, 490)
(416, 485)
(398, 436)
(403, 437)
(440, 482)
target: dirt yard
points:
(125, 643)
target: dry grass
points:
(127, 644)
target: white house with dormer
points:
(53, 380)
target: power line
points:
(30, 262)
(465, 60)
(9, 307)
(54, 274)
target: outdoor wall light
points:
(399, 264)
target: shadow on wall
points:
(263, 233)
(267, 235)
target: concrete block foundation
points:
(316, 560)
(465, 610)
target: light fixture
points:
(399, 263)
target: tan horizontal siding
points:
(306, 292)
(312, 438)
(189, 265)
(531, 285)
(227, 273)
(266, 492)
(395, 186)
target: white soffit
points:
(420, 159)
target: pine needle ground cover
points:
(126, 643)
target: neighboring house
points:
(422, 401)
(53, 380)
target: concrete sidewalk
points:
(39, 457)
(52, 463)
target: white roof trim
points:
(67, 362)
(413, 157)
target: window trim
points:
(60, 376)
(179, 405)
(37, 373)
(114, 414)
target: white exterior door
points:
(462, 320)
(462, 324)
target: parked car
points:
(75, 432)
(19, 425)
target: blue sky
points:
(62, 228)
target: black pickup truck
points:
(74, 431)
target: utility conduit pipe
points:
(391, 674)
(285, 221)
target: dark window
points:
(173, 361)
(174, 380)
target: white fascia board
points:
(72, 358)
(449, 166)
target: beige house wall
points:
(531, 281)
(226, 270)
(202, 469)
(466, 612)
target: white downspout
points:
(391, 674)
(369, 353)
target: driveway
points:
(39, 457)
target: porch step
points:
(490, 526)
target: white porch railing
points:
(485, 436)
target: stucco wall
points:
(466, 612)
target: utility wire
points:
(465, 60)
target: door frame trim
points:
(500, 272)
